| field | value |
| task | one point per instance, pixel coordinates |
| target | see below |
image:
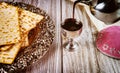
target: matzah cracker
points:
(24, 40)
(9, 27)
(28, 20)
(8, 56)
(23, 14)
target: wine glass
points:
(71, 29)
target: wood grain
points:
(87, 59)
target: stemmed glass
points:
(71, 29)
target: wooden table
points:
(87, 59)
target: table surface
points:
(86, 59)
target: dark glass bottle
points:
(108, 6)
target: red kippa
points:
(108, 41)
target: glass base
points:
(71, 46)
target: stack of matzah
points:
(15, 24)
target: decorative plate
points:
(40, 40)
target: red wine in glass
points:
(71, 29)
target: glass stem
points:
(71, 43)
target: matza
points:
(27, 21)
(8, 56)
(9, 27)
